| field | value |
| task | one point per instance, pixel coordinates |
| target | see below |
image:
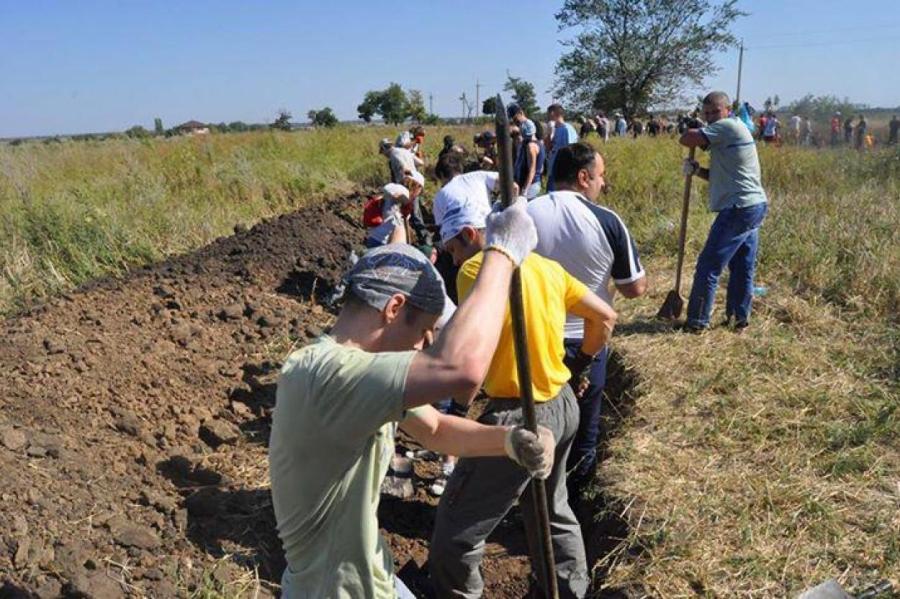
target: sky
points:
(92, 66)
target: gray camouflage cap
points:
(397, 268)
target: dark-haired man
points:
(340, 399)
(737, 195)
(593, 244)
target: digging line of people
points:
(341, 400)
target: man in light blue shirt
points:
(736, 194)
(563, 135)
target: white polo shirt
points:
(591, 242)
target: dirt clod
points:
(217, 432)
(13, 439)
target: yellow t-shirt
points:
(548, 293)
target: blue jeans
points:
(583, 455)
(733, 241)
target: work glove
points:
(532, 452)
(689, 167)
(511, 231)
(577, 361)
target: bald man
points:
(737, 195)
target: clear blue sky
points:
(71, 67)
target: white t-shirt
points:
(401, 161)
(475, 187)
(591, 242)
(795, 123)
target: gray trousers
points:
(482, 490)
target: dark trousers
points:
(583, 456)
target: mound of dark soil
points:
(135, 413)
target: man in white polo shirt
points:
(592, 243)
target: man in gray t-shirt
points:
(737, 195)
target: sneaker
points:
(691, 328)
(447, 469)
(740, 327)
(438, 487)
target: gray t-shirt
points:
(734, 175)
(332, 440)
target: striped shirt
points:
(591, 242)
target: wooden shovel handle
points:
(682, 235)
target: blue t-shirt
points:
(734, 174)
(563, 135)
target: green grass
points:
(73, 211)
(754, 465)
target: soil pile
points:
(135, 415)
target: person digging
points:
(737, 196)
(340, 399)
(482, 490)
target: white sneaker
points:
(447, 468)
(438, 486)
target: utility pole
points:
(477, 94)
(430, 103)
(737, 96)
(464, 103)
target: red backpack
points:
(373, 209)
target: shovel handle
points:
(684, 217)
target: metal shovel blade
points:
(829, 589)
(671, 308)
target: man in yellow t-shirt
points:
(482, 490)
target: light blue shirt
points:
(734, 174)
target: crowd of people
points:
(848, 131)
(424, 328)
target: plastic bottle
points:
(760, 291)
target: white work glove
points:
(532, 452)
(511, 231)
(689, 167)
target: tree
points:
(522, 93)
(137, 132)
(393, 106)
(489, 106)
(634, 54)
(238, 126)
(415, 105)
(158, 128)
(283, 120)
(392, 103)
(821, 108)
(322, 118)
(369, 106)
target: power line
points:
(800, 33)
(829, 43)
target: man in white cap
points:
(482, 490)
(459, 186)
(340, 399)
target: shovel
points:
(671, 308)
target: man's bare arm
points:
(451, 435)
(633, 289)
(599, 321)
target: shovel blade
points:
(671, 308)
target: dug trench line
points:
(135, 416)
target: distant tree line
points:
(394, 106)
